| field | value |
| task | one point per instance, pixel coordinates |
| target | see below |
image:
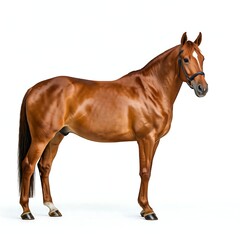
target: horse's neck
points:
(162, 74)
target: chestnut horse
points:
(136, 107)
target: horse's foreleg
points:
(44, 167)
(147, 148)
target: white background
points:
(195, 183)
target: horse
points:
(136, 107)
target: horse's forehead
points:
(190, 49)
(197, 52)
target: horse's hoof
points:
(27, 216)
(55, 213)
(149, 216)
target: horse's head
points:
(190, 61)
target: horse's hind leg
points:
(44, 166)
(28, 165)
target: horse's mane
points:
(154, 64)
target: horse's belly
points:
(103, 128)
(103, 136)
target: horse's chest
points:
(163, 123)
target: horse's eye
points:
(186, 60)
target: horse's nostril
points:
(200, 88)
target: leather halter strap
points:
(189, 78)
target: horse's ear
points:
(184, 38)
(198, 39)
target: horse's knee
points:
(145, 174)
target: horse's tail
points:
(24, 142)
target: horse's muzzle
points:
(199, 89)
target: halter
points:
(189, 78)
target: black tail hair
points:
(24, 143)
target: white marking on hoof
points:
(51, 206)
